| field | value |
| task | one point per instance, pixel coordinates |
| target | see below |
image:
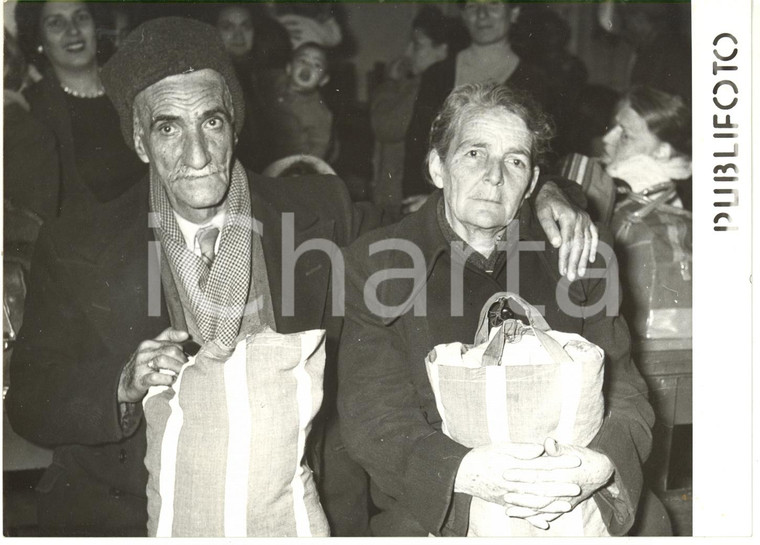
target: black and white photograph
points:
(466, 268)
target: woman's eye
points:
(55, 24)
(517, 162)
(83, 17)
(473, 153)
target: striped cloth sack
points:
(520, 384)
(226, 441)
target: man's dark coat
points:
(88, 310)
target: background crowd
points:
(310, 110)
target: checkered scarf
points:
(218, 294)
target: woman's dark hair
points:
(440, 28)
(474, 98)
(28, 18)
(667, 116)
(14, 64)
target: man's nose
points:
(196, 150)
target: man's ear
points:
(435, 168)
(533, 182)
(324, 80)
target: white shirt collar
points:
(189, 229)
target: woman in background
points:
(96, 164)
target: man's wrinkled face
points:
(184, 130)
(308, 69)
(487, 171)
(628, 137)
(486, 22)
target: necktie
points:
(206, 238)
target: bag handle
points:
(534, 317)
(538, 325)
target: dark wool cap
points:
(161, 48)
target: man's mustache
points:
(186, 172)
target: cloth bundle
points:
(520, 384)
(226, 441)
(653, 245)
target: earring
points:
(39, 49)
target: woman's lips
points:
(75, 47)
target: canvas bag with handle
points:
(653, 244)
(226, 442)
(520, 384)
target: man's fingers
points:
(549, 225)
(576, 247)
(594, 243)
(584, 254)
(173, 335)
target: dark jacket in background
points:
(95, 163)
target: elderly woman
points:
(489, 58)
(408, 291)
(60, 38)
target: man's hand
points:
(576, 237)
(593, 471)
(144, 368)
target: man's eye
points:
(474, 153)
(215, 123)
(166, 130)
(516, 161)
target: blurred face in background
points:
(487, 22)
(423, 53)
(236, 29)
(629, 137)
(308, 69)
(67, 35)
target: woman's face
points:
(628, 137)
(236, 28)
(423, 53)
(67, 32)
(487, 22)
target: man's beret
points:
(165, 47)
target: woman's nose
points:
(72, 27)
(495, 173)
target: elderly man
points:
(403, 284)
(111, 312)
